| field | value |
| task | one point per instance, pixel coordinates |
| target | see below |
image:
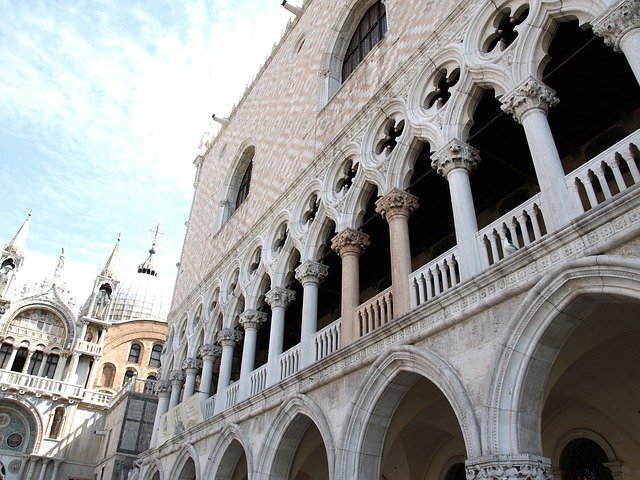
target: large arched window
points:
(245, 183)
(134, 353)
(156, 353)
(584, 459)
(56, 422)
(369, 32)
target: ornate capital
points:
(228, 337)
(280, 297)
(455, 154)
(208, 350)
(176, 376)
(350, 241)
(617, 22)
(191, 364)
(252, 319)
(162, 386)
(518, 467)
(531, 94)
(397, 203)
(311, 272)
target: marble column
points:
(251, 320)
(310, 274)
(162, 389)
(455, 161)
(620, 28)
(227, 338)
(43, 468)
(93, 371)
(350, 245)
(32, 467)
(209, 353)
(56, 466)
(510, 467)
(27, 361)
(60, 368)
(396, 207)
(43, 364)
(72, 376)
(278, 299)
(12, 357)
(83, 330)
(191, 367)
(529, 103)
(176, 377)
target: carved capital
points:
(453, 155)
(252, 319)
(191, 364)
(531, 94)
(311, 272)
(176, 376)
(350, 241)
(280, 297)
(518, 467)
(162, 386)
(397, 203)
(617, 22)
(212, 351)
(228, 337)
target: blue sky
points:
(102, 108)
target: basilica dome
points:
(138, 297)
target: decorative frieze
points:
(210, 351)
(455, 154)
(252, 319)
(397, 202)
(512, 468)
(350, 241)
(191, 364)
(531, 94)
(311, 272)
(229, 337)
(617, 22)
(280, 297)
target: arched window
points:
(108, 374)
(56, 423)
(5, 354)
(50, 365)
(245, 184)
(35, 363)
(368, 34)
(134, 353)
(128, 375)
(156, 352)
(584, 459)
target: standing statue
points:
(102, 304)
(5, 275)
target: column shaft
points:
(12, 357)
(309, 274)
(465, 221)
(248, 361)
(278, 298)
(630, 46)
(162, 388)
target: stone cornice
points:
(350, 241)
(531, 94)
(397, 203)
(453, 155)
(617, 21)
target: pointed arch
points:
(188, 453)
(231, 444)
(153, 469)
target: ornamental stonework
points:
(176, 376)
(311, 272)
(516, 469)
(617, 22)
(162, 386)
(252, 319)
(397, 202)
(191, 364)
(453, 155)
(210, 351)
(229, 337)
(350, 241)
(280, 297)
(531, 94)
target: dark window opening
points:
(50, 366)
(583, 459)
(243, 189)
(368, 34)
(134, 353)
(20, 360)
(156, 353)
(35, 363)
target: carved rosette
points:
(511, 469)
(397, 203)
(176, 376)
(252, 319)
(350, 241)
(280, 297)
(453, 155)
(617, 22)
(228, 337)
(311, 272)
(531, 94)
(162, 386)
(191, 364)
(208, 351)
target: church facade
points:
(413, 252)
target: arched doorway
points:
(233, 465)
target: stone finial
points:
(162, 386)
(511, 469)
(208, 350)
(176, 376)
(455, 154)
(191, 364)
(280, 297)
(252, 319)
(617, 22)
(228, 337)
(531, 94)
(311, 271)
(350, 241)
(397, 203)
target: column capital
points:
(228, 337)
(397, 203)
(252, 319)
(510, 467)
(280, 297)
(162, 386)
(350, 241)
(453, 155)
(212, 351)
(176, 376)
(311, 272)
(617, 21)
(191, 364)
(531, 94)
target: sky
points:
(103, 104)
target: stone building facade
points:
(413, 252)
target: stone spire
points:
(19, 242)
(109, 269)
(147, 267)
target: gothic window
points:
(19, 361)
(584, 459)
(36, 362)
(368, 34)
(156, 352)
(56, 423)
(50, 366)
(128, 375)
(5, 353)
(134, 353)
(108, 373)
(245, 183)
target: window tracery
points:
(368, 33)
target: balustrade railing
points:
(40, 384)
(289, 362)
(209, 407)
(434, 278)
(606, 175)
(258, 379)
(99, 398)
(89, 347)
(232, 394)
(327, 340)
(375, 312)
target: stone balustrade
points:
(289, 362)
(258, 379)
(434, 278)
(327, 340)
(375, 312)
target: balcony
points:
(89, 348)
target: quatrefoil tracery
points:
(505, 32)
(312, 209)
(391, 132)
(347, 176)
(442, 83)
